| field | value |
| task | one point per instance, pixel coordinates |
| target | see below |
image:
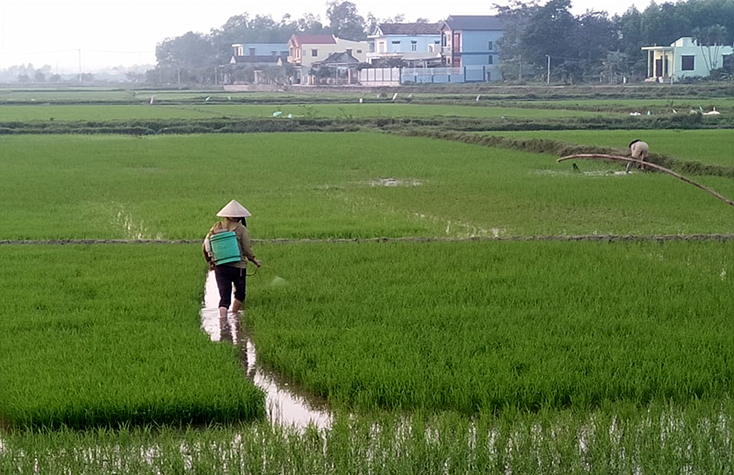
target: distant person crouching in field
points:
(230, 269)
(640, 151)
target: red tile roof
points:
(314, 39)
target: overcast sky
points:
(93, 34)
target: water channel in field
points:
(286, 405)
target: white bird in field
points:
(394, 96)
(361, 100)
(713, 112)
(479, 96)
(675, 111)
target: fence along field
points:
(143, 188)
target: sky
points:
(90, 35)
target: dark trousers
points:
(226, 277)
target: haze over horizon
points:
(89, 36)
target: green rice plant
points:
(660, 438)
(97, 112)
(110, 336)
(345, 185)
(482, 326)
(705, 146)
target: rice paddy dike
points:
(463, 302)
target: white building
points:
(684, 58)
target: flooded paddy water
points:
(286, 404)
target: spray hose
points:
(599, 156)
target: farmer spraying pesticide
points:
(227, 249)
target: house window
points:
(490, 60)
(443, 39)
(274, 53)
(314, 52)
(252, 51)
(359, 51)
(413, 46)
(396, 43)
(688, 63)
(490, 46)
(349, 52)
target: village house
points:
(684, 58)
(259, 54)
(411, 44)
(471, 41)
(305, 50)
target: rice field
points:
(87, 340)
(482, 326)
(705, 146)
(345, 185)
(495, 350)
(202, 110)
(662, 438)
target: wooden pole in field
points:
(600, 156)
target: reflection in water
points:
(285, 406)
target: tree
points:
(596, 32)
(631, 40)
(515, 18)
(373, 21)
(550, 32)
(310, 24)
(190, 51)
(344, 20)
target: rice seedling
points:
(705, 146)
(109, 336)
(663, 438)
(512, 357)
(143, 111)
(345, 185)
(483, 326)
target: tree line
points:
(590, 47)
(596, 47)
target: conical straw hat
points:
(233, 210)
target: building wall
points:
(405, 43)
(674, 56)
(260, 49)
(359, 48)
(480, 48)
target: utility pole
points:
(548, 79)
(520, 67)
(80, 65)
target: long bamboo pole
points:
(600, 156)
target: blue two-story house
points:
(259, 53)
(414, 44)
(471, 41)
